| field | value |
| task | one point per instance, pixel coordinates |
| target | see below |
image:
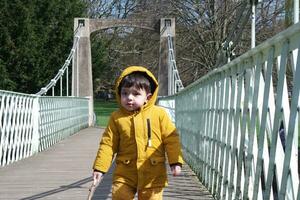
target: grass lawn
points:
(103, 109)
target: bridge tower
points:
(167, 28)
(82, 84)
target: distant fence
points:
(239, 124)
(31, 123)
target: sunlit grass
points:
(103, 109)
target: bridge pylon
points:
(82, 84)
(167, 29)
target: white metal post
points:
(61, 86)
(253, 25)
(35, 132)
(296, 11)
(67, 80)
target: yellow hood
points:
(130, 70)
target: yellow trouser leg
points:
(150, 194)
(121, 191)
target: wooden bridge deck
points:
(64, 172)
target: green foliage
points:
(100, 62)
(5, 81)
(103, 109)
(35, 39)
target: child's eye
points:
(124, 93)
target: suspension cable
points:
(175, 83)
(65, 66)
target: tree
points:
(5, 81)
(35, 38)
(100, 62)
(205, 28)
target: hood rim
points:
(132, 69)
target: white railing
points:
(169, 104)
(61, 117)
(31, 123)
(239, 124)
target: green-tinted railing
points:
(31, 123)
(61, 117)
(239, 123)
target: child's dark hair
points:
(139, 80)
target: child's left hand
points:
(176, 170)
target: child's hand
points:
(97, 176)
(176, 170)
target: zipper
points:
(149, 132)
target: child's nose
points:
(130, 96)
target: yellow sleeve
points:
(171, 140)
(107, 148)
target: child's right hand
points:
(97, 176)
(176, 169)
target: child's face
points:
(132, 99)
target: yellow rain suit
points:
(139, 164)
